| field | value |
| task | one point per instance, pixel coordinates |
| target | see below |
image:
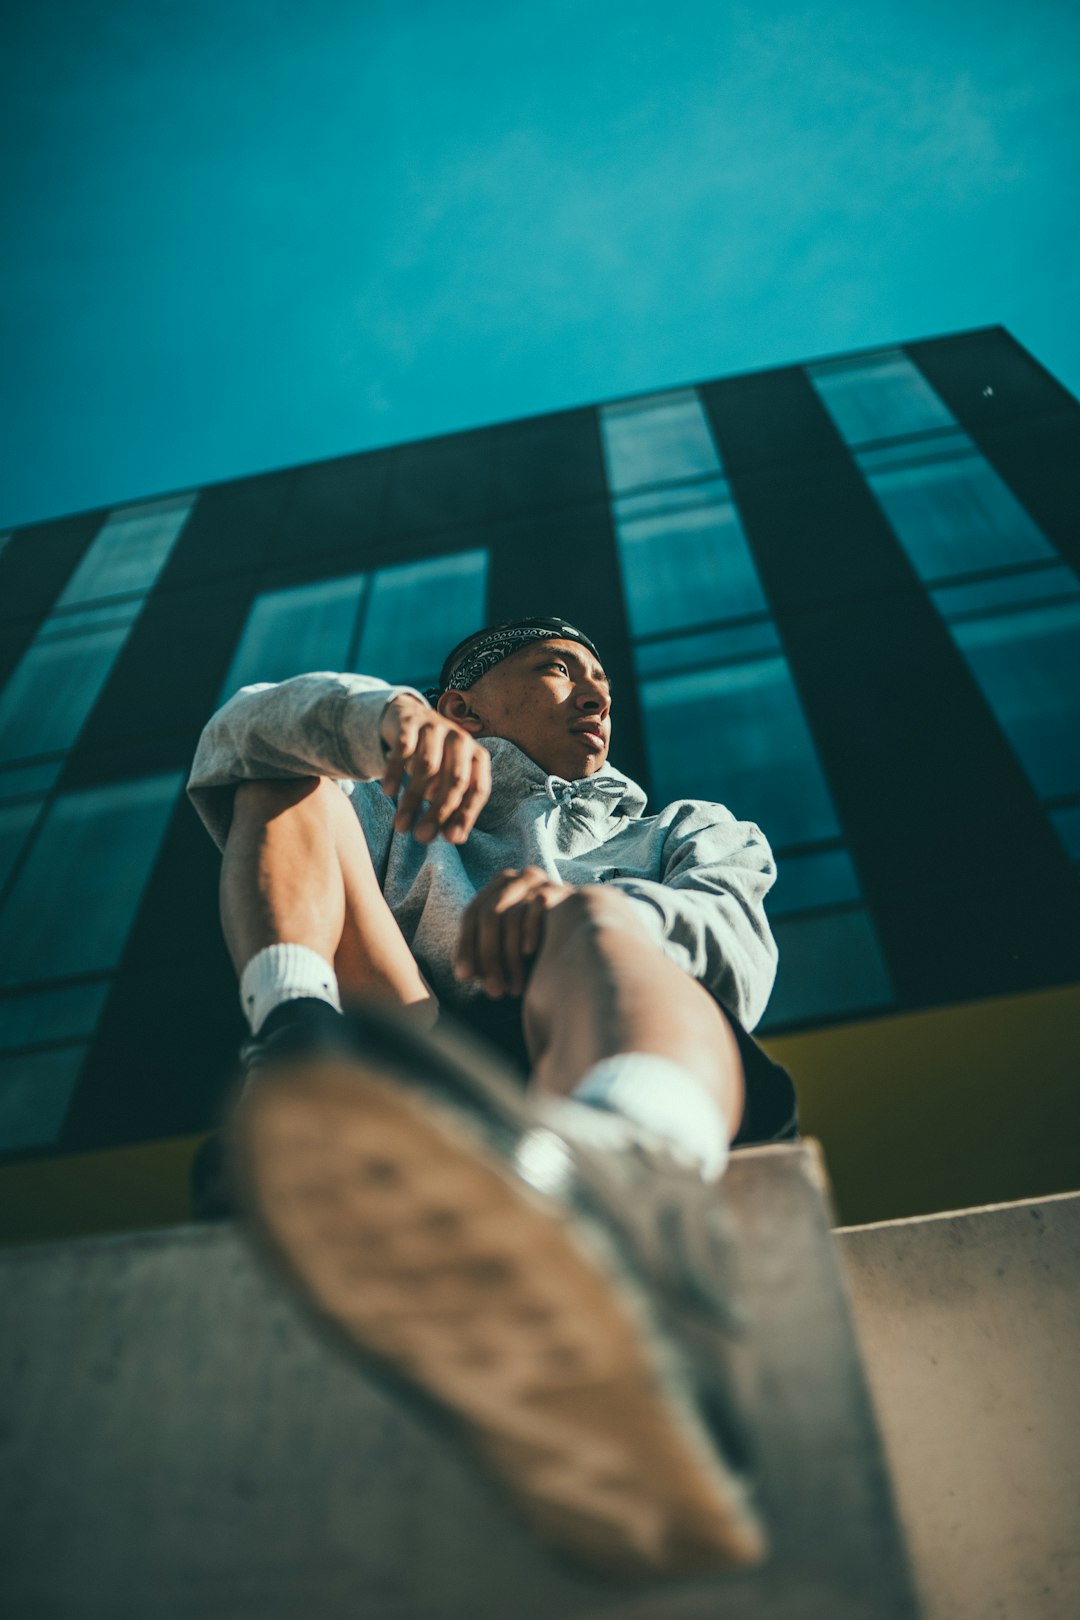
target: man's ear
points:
(455, 706)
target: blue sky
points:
(241, 234)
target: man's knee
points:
(590, 913)
(258, 802)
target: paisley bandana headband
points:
(473, 657)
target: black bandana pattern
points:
(481, 652)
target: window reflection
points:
(878, 396)
(73, 902)
(59, 1013)
(687, 567)
(1026, 663)
(129, 551)
(1006, 589)
(1066, 823)
(737, 735)
(36, 1089)
(47, 700)
(728, 644)
(294, 631)
(1011, 605)
(954, 515)
(817, 878)
(25, 781)
(418, 612)
(52, 690)
(398, 624)
(16, 825)
(657, 440)
(721, 715)
(830, 964)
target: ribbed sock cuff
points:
(664, 1098)
(285, 973)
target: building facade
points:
(841, 598)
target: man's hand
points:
(502, 929)
(446, 767)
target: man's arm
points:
(708, 909)
(349, 728)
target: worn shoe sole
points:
(405, 1228)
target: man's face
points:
(552, 700)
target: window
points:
(950, 510)
(656, 441)
(16, 824)
(36, 1089)
(805, 882)
(878, 396)
(55, 685)
(1010, 603)
(38, 1078)
(830, 964)
(291, 632)
(66, 1012)
(419, 611)
(737, 735)
(721, 714)
(1027, 662)
(52, 690)
(89, 864)
(129, 552)
(69, 912)
(687, 565)
(398, 623)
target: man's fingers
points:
(478, 953)
(477, 792)
(400, 749)
(447, 790)
(532, 926)
(422, 766)
(512, 924)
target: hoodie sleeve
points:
(708, 908)
(311, 725)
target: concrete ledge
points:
(970, 1326)
(179, 1442)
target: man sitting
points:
(504, 1250)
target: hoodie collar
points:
(515, 777)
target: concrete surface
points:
(179, 1443)
(970, 1325)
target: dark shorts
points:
(771, 1111)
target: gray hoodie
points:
(699, 876)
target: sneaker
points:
(399, 1188)
(675, 1222)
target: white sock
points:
(285, 973)
(664, 1098)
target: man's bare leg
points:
(297, 871)
(600, 987)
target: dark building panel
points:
(334, 509)
(949, 839)
(548, 462)
(986, 376)
(440, 484)
(230, 531)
